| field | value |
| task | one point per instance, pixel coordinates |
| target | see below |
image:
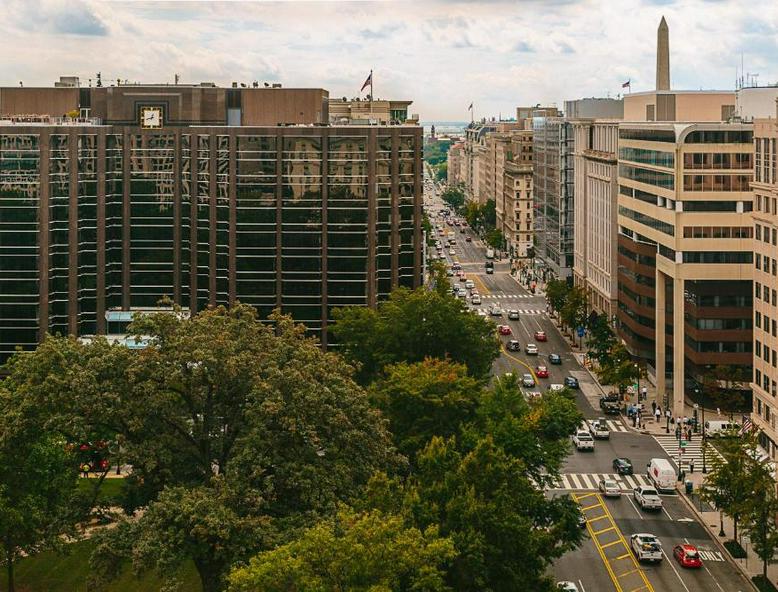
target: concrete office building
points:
(764, 383)
(514, 206)
(152, 193)
(345, 111)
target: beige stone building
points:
(765, 220)
(596, 207)
(455, 162)
(343, 111)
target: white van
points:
(662, 474)
(716, 427)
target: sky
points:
(442, 54)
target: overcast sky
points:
(442, 54)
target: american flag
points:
(748, 426)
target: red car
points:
(687, 556)
(541, 372)
(505, 330)
(540, 336)
(468, 239)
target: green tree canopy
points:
(454, 197)
(221, 396)
(411, 326)
(441, 171)
(601, 340)
(556, 293)
(495, 239)
(425, 399)
(352, 552)
(575, 310)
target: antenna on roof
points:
(99, 79)
(176, 78)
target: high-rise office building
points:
(149, 192)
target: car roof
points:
(687, 547)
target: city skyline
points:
(494, 54)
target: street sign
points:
(581, 331)
(683, 443)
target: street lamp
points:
(704, 442)
(721, 524)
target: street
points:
(604, 562)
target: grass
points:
(735, 549)
(110, 491)
(763, 585)
(54, 572)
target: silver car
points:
(513, 315)
(609, 488)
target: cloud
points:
(523, 47)
(74, 17)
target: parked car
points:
(462, 277)
(540, 336)
(504, 330)
(646, 547)
(555, 359)
(622, 465)
(609, 488)
(541, 372)
(687, 556)
(527, 380)
(452, 252)
(571, 382)
(647, 498)
(513, 314)
(531, 349)
(582, 440)
(513, 345)
(610, 404)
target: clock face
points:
(151, 117)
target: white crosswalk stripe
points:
(613, 426)
(504, 296)
(692, 450)
(521, 311)
(589, 481)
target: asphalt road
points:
(603, 563)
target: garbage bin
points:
(689, 487)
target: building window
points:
(758, 319)
(758, 229)
(757, 259)
(758, 348)
(757, 376)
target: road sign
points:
(683, 443)
(581, 331)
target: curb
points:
(717, 542)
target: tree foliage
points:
(556, 293)
(619, 369)
(575, 310)
(411, 326)
(495, 239)
(368, 551)
(454, 196)
(220, 416)
(441, 172)
(601, 339)
(425, 399)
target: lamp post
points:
(637, 373)
(721, 524)
(704, 443)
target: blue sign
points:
(581, 331)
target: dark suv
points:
(610, 404)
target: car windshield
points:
(584, 436)
(611, 485)
(650, 492)
(691, 553)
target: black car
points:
(514, 345)
(555, 359)
(571, 382)
(623, 466)
(610, 404)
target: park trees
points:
(413, 325)
(494, 238)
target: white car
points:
(583, 440)
(495, 311)
(647, 498)
(567, 587)
(609, 488)
(452, 252)
(513, 315)
(646, 547)
(469, 284)
(475, 299)
(600, 429)
(531, 349)
(527, 380)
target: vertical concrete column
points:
(678, 347)
(659, 341)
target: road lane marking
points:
(480, 285)
(675, 570)
(515, 359)
(666, 512)
(580, 583)
(638, 512)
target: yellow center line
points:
(527, 366)
(479, 284)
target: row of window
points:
(768, 205)
(765, 293)
(766, 160)
(718, 347)
(733, 257)
(769, 386)
(647, 176)
(717, 232)
(770, 326)
(668, 229)
(769, 234)
(717, 160)
(715, 206)
(768, 263)
(717, 182)
(763, 351)
(644, 156)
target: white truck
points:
(490, 253)
(646, 547)
(599, 429)
(582, 440)
(662, 474)
(647, 498)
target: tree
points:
(429, 398)
(556, 293)
(38, 504)
(368, 551)
(440, 278)
(489, 213)
(619, 369)
(441, 174)
(727, 387)
(473, 212)
(731, 484)
(575, 310)
(601, 340)
(761, 513)
(411, 326)
(254, 431)
(494, 238)
(454, 197)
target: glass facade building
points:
(307, 219)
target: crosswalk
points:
(613, 426)
(526, 311)
(504, 296)
(589, 481)
(692, 450)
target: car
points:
(555, 387)
(452, 240)
(513, 345)
(582, 440)
(462, 277)
(462, 294)
(646, 547)
(599, 429)
(687, 556)
(450, 272)
(609, 488)
(647, 498)
(533, 394)
(568, 586)
(495, 311)
(531, 349)
(489, 267)
(555, 359)
(540, 336)
(505, 330)
(513, 314)
(452, 252)
(475, 299)
(571, 382)
(541, 372)
(469, 284)
(527, 380)
(622, 465)
(468, 239)
(610, 404)
(456, 266)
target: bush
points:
(735, 549)
(762, 584)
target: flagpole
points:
(371, 93)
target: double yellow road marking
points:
(621, 564)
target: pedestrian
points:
(653, 407)
(658, 414)
(689, 435)
(638, 426)
(691, 465)
(634, 419)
